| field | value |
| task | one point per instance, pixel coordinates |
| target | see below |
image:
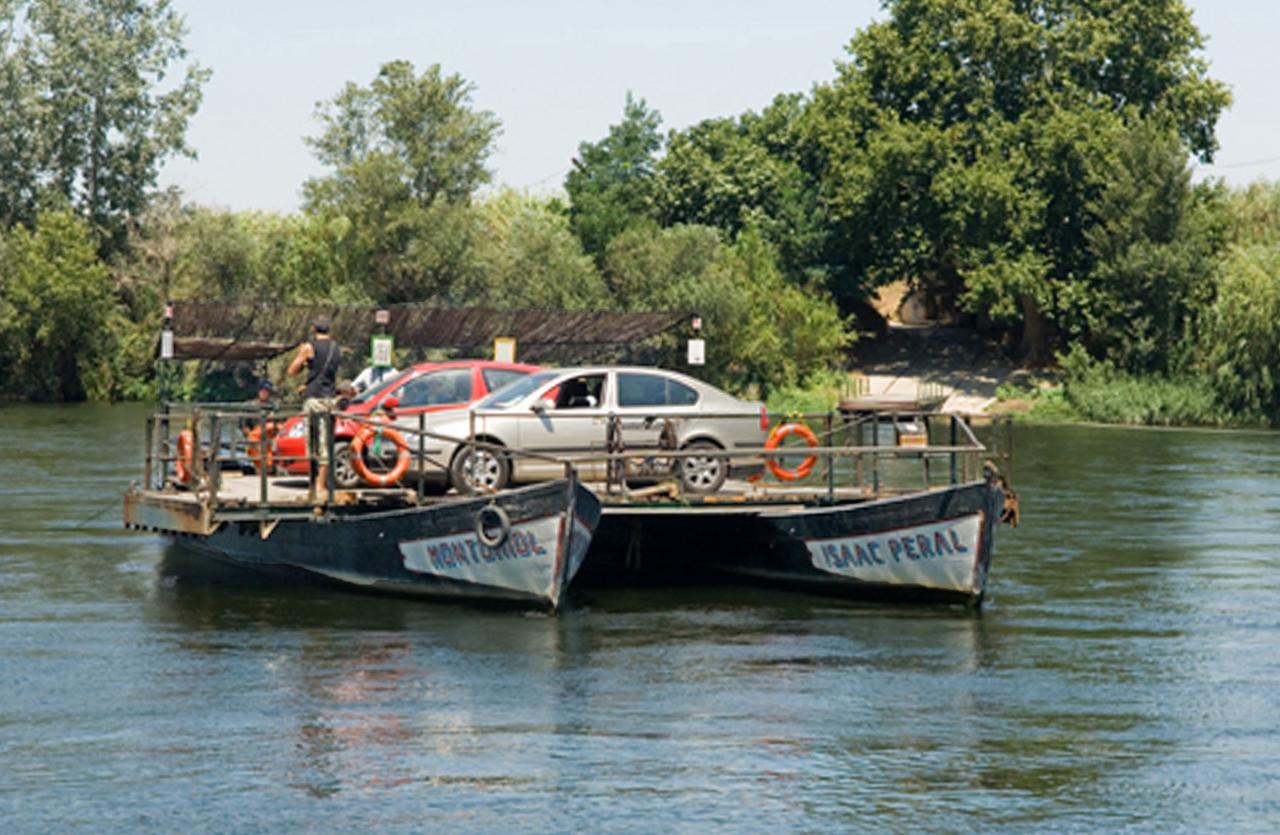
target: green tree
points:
(1253, 214)
(761, 330)
(529, 258)
(406, 153)
(965, 146)
(611, 185)
(89, 110)
(58, 317)
(749, 171)
(1242, 331)
(1152, 248)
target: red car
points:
(425, 388)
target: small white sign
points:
(166, 345)
(697, 352)
(381, 349)
(382, 317)
(504, 349)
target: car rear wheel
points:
(344, 474)
(479, 470)
(703, 473)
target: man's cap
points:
(321, 323)
(264, 383)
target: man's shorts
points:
(320, 406)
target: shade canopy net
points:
(247, 331)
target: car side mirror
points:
(543, 404)
(391, 403)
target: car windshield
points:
(513, 391)
(378, 387)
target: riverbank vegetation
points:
(1025, 166)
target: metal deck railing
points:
(852, 456)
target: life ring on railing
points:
(184, 462)
(254, 444)
(775, 438)
(373, 433)
(500, 519)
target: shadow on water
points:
(196, 591)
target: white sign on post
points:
(381, 349)
(697, 352)
(166, 345)
(504, 349)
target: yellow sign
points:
(504, 349)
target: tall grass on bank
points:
(1098, 392)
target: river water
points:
(1123, 674)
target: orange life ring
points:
(403, 456)
(185, 460)
(775, 438)
(253, 444)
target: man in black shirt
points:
(320, 357)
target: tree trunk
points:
(1034, 349)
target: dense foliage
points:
(57, 312)
(1025, 164)
(973, 148)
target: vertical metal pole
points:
(264, 447)
(614, 469)
(953, 449)
(313, 454)
(422, 454)
(471, 458)
(215, 443)
(328, 471)
(831, 458)
(924, 455)
(163, 445)
(972, 464)
(197, 460)
(151, 449)
(875, 456)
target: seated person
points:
(580, 393)
(263, 402)
(251, 425)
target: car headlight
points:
(296, 430)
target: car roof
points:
(433, 365)
(600, 369)
(701, 385)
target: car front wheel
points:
(479, 470)
(703, 473)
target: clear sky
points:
(556, 73)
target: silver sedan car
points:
(578, 414)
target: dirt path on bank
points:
(904, 362)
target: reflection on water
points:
(1123, 674)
